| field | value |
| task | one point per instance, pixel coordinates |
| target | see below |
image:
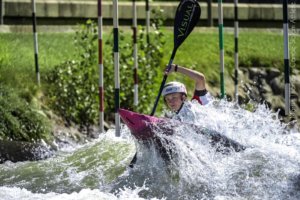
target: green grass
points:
(200, 51)
(17, 49)
(17, 55)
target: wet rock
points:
(276, 103)
(294, 95)
(272, 73)
(256, 73)
(277, 86)
(16, 151)
(295, 81)
(298, 103)
(265, 88)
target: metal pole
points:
(37, 69)
(100, 62)
(221, 45)
(1, 11)
(147, 21)
(236, 49)
(286, 56)
(135, 55)
(209, 15)
(116, 66)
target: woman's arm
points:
(198, 77)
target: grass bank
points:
(200, 51)
(256, 49)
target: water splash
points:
(267, 169)
(95, 194)
(90, 166)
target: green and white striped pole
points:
(147, 21)
(116, 66)
(286, 57)
(135, 54)
(35, 39)
(236, 49)
(221, 45)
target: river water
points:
(269, 167)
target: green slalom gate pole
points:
(35, 39)
(221, 45)
(147, 22)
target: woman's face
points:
(174, 101)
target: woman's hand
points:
(172, 69)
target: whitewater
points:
(269, 167)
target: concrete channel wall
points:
(68, 12)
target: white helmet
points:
(174, 87)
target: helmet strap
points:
(180, 108)
(183, 98)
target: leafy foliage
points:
(149, 67)
(74, 91)
(20, 120)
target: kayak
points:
(143, 127)
(140, 125)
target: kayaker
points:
(175, 97)
(175, 93)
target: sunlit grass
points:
(199, 51)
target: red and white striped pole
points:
(100, 64)
(116, 66)
(135, 54)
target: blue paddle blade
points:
(187, 16)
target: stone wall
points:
(266, 85)
(74, 11)
(262, 1)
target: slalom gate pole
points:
(221, 45)
(210, 21)
(35, 38)
(236, 49)
(116, 67)
(1, 11)
(286, 56)
(147, 21)
(135, 54)
(100, 64)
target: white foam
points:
(267, 169)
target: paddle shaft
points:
(164, 81)
(187, 15)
